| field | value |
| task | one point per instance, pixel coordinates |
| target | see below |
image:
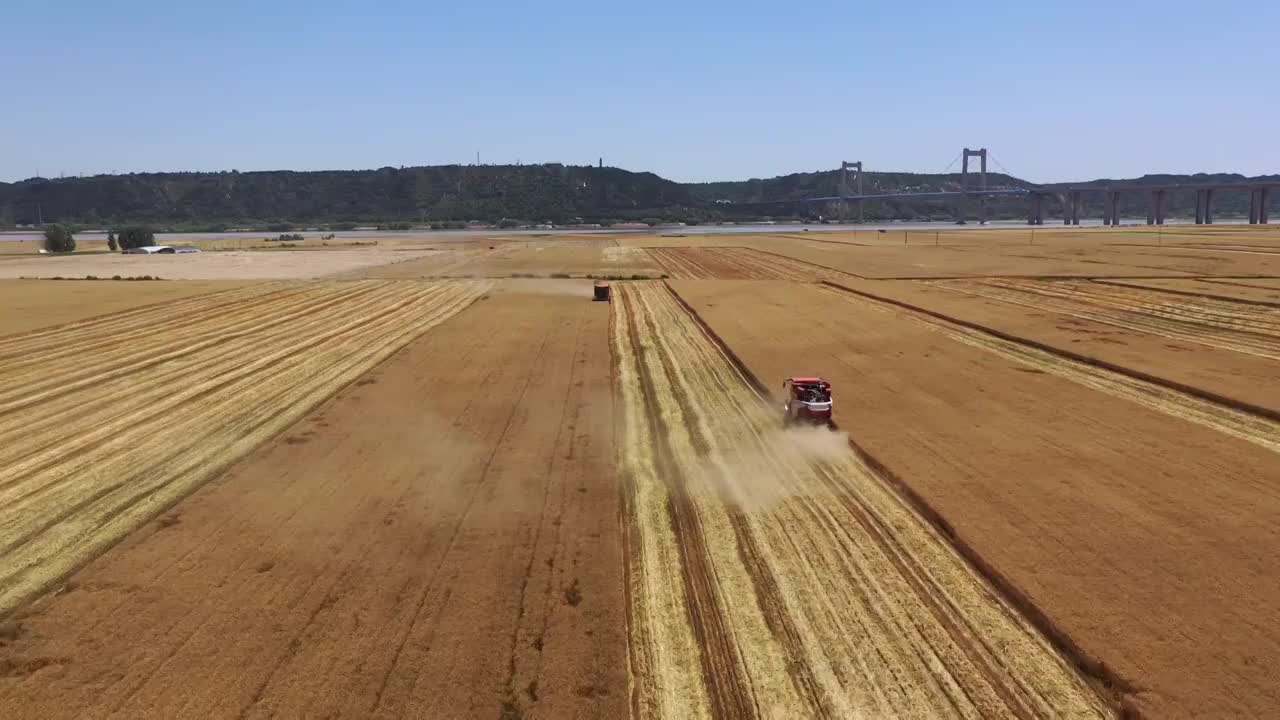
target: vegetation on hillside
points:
(449, 196)
(391, 197)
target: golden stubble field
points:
(1051, 492)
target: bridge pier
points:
(1253, 206)
(1111, 208)
(1208, 206)
(1264, 197)
(1199, 207)
(1155, 208)
(1037, 210)
(1075, 207)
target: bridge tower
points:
(845, 167)
(981, 154)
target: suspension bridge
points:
(974, 192)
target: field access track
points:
(439, 540)
(772, 573)
(1143, 540)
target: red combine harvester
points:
(808, 400)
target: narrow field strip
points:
(1254, 427)
(1197, 288)
(1244, 328)
(95, 442)
(155, 310)
(740, 263)
(773, 573)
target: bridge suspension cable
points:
(1000, 165)
(952, 164)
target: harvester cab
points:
(807, 400)
(601, 291)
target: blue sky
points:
(692, 91)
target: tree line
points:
(59, 238)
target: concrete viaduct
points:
(1072, 198)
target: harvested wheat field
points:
(274, 264)
(735, 263)
(1215, 346)
(107, 423)
(1052, 492)
(912, 254)
(440, 540)
(774, 573)
(581, 256)
(31, 304)
(1208, 287)
(1136, 521)
(1226, 324)
(1272, 283)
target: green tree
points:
(58, 239)
(136, 236)
(112, 245)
